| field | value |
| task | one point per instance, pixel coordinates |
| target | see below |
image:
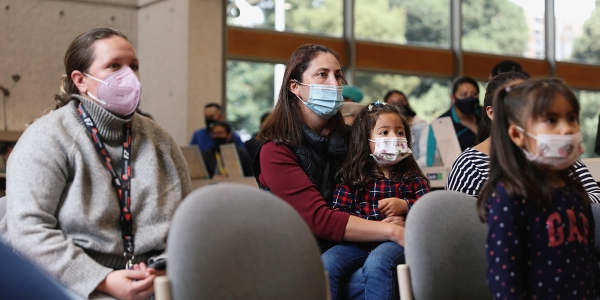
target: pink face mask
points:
(119, 92)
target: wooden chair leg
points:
(327, 285)
(162, 288)
(404, 282)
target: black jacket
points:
(319, 158)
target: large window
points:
(577, 31)
(417, 22)
(249, 94)
(301, 16)
(412, 37)
(507, 27)
(588, 118)
(429, 97)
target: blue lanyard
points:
(121, 184)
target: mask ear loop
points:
(305, 103)
(90, 94)
(99, 80)
(96, 98)
(300, 83)
(527, 133)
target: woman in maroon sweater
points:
(303, 145)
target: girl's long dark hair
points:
(285, 124)
(515, 105)
(359, 167)
(485, 123)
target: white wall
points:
(163, 52)
(179, 42)
(34, 35)
(206, 58)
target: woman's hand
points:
(362, 230)
(129, 284)
(156, 272)
(393, 206)
(400, 221)
(398, 235)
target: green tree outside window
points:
(586, 48)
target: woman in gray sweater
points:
(92, 186)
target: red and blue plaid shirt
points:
(363, 201)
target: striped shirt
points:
(470, 171)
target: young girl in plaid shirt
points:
(380, 180)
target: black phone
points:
(158, 264)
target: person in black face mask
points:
(213, 112)
(464, 112)
(418, 126)
(221, 134)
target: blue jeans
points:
(361, 274)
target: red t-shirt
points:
(281, 172)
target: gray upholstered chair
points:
(2, 207)
(21, 279)
(445, 249)
(596, 212)
(234, 241)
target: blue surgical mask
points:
(324, 100)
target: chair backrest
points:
(20, 279)
(445, 247)
(233, 241)
(2, 207)
(596, 212)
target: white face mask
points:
(390, 151)
(555, 151)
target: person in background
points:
(352, 94)
(597, 143)
(350, 110)
(418, 126)
(540, 243)
(92, 186)
(221, 134)
(252, 144)
(506, 66)
(379, 178)
(464, 112)
(213, 112)
(470, 170)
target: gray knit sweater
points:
(63, 212)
